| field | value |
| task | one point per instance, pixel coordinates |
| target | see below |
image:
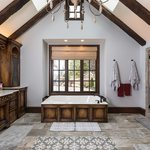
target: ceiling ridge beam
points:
(33, 20)
(12, 8)
(120, 24)
(138, 9)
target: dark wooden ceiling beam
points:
(138, 9)
(121, 24)
(11, 9)
(32, 21)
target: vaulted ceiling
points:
(132, 16)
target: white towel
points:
(134, 76)
(115, 80)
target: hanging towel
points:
(134, 76)
(121, 90)
(115, 80)
(127, 89)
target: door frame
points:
(147, 78)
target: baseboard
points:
(134, 110)
(33, 110)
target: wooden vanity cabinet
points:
(4, 112)
(22, 101)
(13, 99)
(8, 109)
(12, 106)
(9, 62)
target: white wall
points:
(118, 45)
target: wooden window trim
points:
(97, 75)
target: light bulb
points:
(67, 25)
(51, 4)
(100, 8)
(53, 17)
(94, 19)
(81, 25)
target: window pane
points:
(92, 86)
(62, 75)
(71, 8)
(78, 15)
(71, 15)
(77, 75)
(62, 86)
(55, 64)
(78, 8)
(62, 64)
(55, 75)
(86, 75)
(92, 75)
(92, 64)
(86, 86)
(71, 86)
(77, 86)
(77, 64)
(55, 86)
(71, 64)
(86, 65)
(71, 75)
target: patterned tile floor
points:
(122, 129)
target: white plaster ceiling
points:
(145, 3)
(133, 21)
(18, 19)
(121, 11)
(4, 3)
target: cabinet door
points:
(15, 67)
(4, 112)
(22, 102)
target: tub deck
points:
(75, 108)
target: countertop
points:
(6, 92)
(14, 88)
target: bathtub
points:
(74, 108)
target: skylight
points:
(39, 4)
(110, 5)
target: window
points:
(74, 76)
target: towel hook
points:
(114, 60)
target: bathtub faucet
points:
(102, 99)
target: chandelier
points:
(74, 10)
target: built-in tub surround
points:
(72, 99)
(74, 108)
